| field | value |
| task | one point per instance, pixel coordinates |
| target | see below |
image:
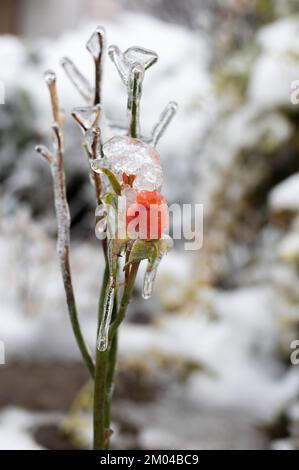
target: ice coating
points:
(50, 77)
(78, 80)
(149, 278)
(92, 140)
(96, 43)
(103, 337)
(140, 55)
(133, 157)
(87, 116)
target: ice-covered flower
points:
(130, 156)
(148, 216)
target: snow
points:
(16, 426)
(277, 66)
(285, 196)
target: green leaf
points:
(113, 180)
(141, 249)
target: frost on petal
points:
(134, 157)
(139, 55)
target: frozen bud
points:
(133, 157)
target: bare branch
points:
(78, 80)
(96, 46)
(163, 122)
(45, 153)
(50, 78)
(63, 218)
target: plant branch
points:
(63, 218)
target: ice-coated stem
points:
(78, 80)
(117, 58)
(56, 162)
(149, 278)
(125, 300)
(102, 342)
(163, 122)
(96, 46)
(134, 97)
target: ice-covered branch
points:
(163, 122)
(96, 46)
(134, 97)
(78, 80)
(56, 162)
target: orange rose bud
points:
(152, 213)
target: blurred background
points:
(206, 363)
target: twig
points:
(63, 217)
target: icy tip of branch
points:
(87, 116)
(97, 42)
(50, 77)
(137, 71)
(163, 122)
(44, 152)
(173, 106)
(140, 55)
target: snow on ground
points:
(285, 196)
(16, 426)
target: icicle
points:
(79, 81)
(93, 142)
(163, 122)
(134, 97)
(117, 58)
(87, 116)
(149, 278)
(103, 337)
(139, 55)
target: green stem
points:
(111, 371)
(70, 298)
(134, 97)
(126, 298)
(100, 380)
(99, 428)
